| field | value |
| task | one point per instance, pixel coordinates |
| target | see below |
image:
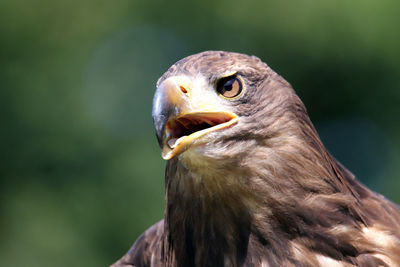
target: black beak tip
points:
(168, 102)
(159, 126)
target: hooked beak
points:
(177, 123)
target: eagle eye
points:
(230, 87)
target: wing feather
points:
(147, 250)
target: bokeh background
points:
(80, 171)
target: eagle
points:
(248, 181)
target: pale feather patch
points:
(302, 254)
(297, 250)
(384, 240)
(381, 238)
(326, 261)
(153, 259)
(341, 229)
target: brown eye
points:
(230, 87)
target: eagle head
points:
(219, 106)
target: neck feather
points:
(218, 212)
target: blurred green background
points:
(80, 171)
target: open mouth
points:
(183, 130)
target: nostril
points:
(183, 89)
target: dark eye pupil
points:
(228, 85)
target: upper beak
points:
(170, 100)
(177, 122)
